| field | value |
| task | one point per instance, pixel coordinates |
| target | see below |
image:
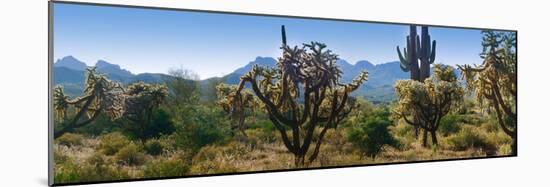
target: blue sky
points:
(147, 40)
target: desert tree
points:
(100, 95)
(428, 101)
(183, 93)
(302, 95)
(141, 101)
(494, 81)
(417, 50)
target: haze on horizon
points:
(212, 44)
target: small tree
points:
(142, 100)
(101, 95)
(371, 134)
(494, 81)
(302, 94)
(429, 101)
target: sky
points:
(215, 44)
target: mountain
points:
(113, 71)
(70, 62)
(235, 76)
(262, 61)
(70, 73)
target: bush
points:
(372, 135)
(450, 124)
(469, 137)
(217, 159)
(153, 147)
(130, 155)
(70, 139)
(160, 124)
(204, 129)
(95, 168)
(111, 143)
(166, 168)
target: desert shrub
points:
(59, 157)
(469, 137)
(166, 167)
(111, 143)
(372, 135)
(491, 126)
(206, 126)
(498, 138)
(153, 147)
(95, 168)
(66, 171)
(70, 139)
(160, 124)
(450, 124)
(217, 159)
(103, 124)
(130, 154)
(404, 134)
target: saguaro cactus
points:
(418, 50)
(426, 53)
(409, 61)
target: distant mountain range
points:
(70, 72)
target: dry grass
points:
(88, 161)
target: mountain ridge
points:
(70, 72)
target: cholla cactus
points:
(428, 102)
(302, 94)
(494, 81)
(235, 103)
(141, 99)
(101, 95)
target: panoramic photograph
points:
(142, 93)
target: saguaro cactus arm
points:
(404, 59)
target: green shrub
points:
(372, 135)
(95, 168)
(203, 129)
(130, 155)
(160, 124)
(166, 168)
(153, 147)
(450, 124)
(469, 137)
(217, 159)
(111, 143)
(70, 139)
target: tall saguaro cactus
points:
(409, 61)
(303, 96)
(418, 49)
